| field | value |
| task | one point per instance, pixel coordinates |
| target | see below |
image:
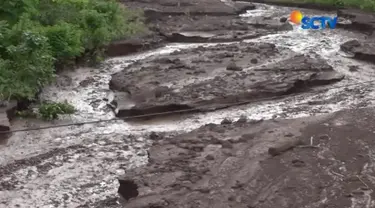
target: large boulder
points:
(359, 20)
(228, 165)
(198, 78)
(360, 50)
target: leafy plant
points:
(36, 35)
(50, 111)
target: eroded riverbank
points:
(79, 165)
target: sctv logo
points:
(316, 22)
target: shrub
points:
(35, 35)
(50, 111)
(65, 40)
(26, 60)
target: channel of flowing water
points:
(70, 177)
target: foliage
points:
(26, 63)
(50, 111)
(37, 35)
(47, 111)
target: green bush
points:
(65, 40)
(36, 35)
(26, 62)
(50, 111)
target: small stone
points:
(324, 137)
(254, 61)
(298, 163)
(358, 192)
(286, 27)
(232, 66)
(283, 19)
(226, 121)
(204, 190)
(353, 68)
(141, 154)
(154, 136)
(243, 119)
(246, 137)
(210, 157)
(365, 188)
(289, 135)
(226, 144)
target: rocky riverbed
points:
(218, 155)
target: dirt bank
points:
(207, 78)
(229, 165)
(7, 113)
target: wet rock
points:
(128, 189)
(362, 51)
(87, 82)
(208, 37)
(242, 119)
(283, 19)
(183, 37)
(324, 78)
(285, 27)
(350, 45)
(226, 121)
(133, 45)
(353, 68)
(242, 7)
(210, 157)
(360, 20)
(204, 92)
(281, 148)
(298, 163)
(246, 137)
(226, 144)
(233, 67)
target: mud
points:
(217, 76)
(228, 165)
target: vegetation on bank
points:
(368, 5)
(48, 111)
(38, 35)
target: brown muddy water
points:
(79, 165)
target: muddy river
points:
(79, 165)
